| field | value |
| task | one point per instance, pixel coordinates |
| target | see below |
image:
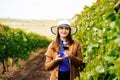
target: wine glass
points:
(65, 46)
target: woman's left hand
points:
(67, 53)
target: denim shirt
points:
(64, 65)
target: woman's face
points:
(64, 31)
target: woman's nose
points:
(64, 30)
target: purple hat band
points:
(64, 25)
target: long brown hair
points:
(56, 42)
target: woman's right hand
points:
(59, 58)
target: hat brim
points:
(54, 30)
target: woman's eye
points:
(63, 28)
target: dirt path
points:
(32, 70)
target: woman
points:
(63, 57)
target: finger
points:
(58, 55)
(61, 58)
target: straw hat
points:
(63, 23)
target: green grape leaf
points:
(100, 69)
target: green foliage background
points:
(18, 44)
(99, 35)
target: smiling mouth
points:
(64, 34)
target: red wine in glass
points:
(65, 45)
